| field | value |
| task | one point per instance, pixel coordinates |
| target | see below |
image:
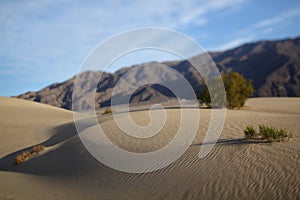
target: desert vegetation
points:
(107, 111)
(268, 133)
(25, 155)
(238, 89)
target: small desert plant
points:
(107, 111)
(267, 133)
(36, 149)
(250, 133)
(273, 134)
(22, 157)
(283, 133)
(28, 154)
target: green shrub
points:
(267, 133)
(250, 133)
(273, 134)
(284, 133)
(107, 111)
(238, 89)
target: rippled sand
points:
(234, 169)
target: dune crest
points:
(234, 169)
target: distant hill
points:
(274, 67)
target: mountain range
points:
(273, 66)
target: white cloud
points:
(51, 33)
(192, 15)
(262, 27)
(196, 14)
(267, 30)
(234, 43)
(277, 19)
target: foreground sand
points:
(234, 169)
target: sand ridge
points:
(234, 169)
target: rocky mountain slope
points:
(274, 67)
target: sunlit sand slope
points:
(234, 169)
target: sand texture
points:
(234, 169)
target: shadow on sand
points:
(240, 141)
(62, 134)
(71, 156)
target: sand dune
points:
(234, 169)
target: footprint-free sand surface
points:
(234, 169)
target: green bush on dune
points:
(238, 89)
(250, 133)
(268, 133)
(107, 111)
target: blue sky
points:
(42, 42)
